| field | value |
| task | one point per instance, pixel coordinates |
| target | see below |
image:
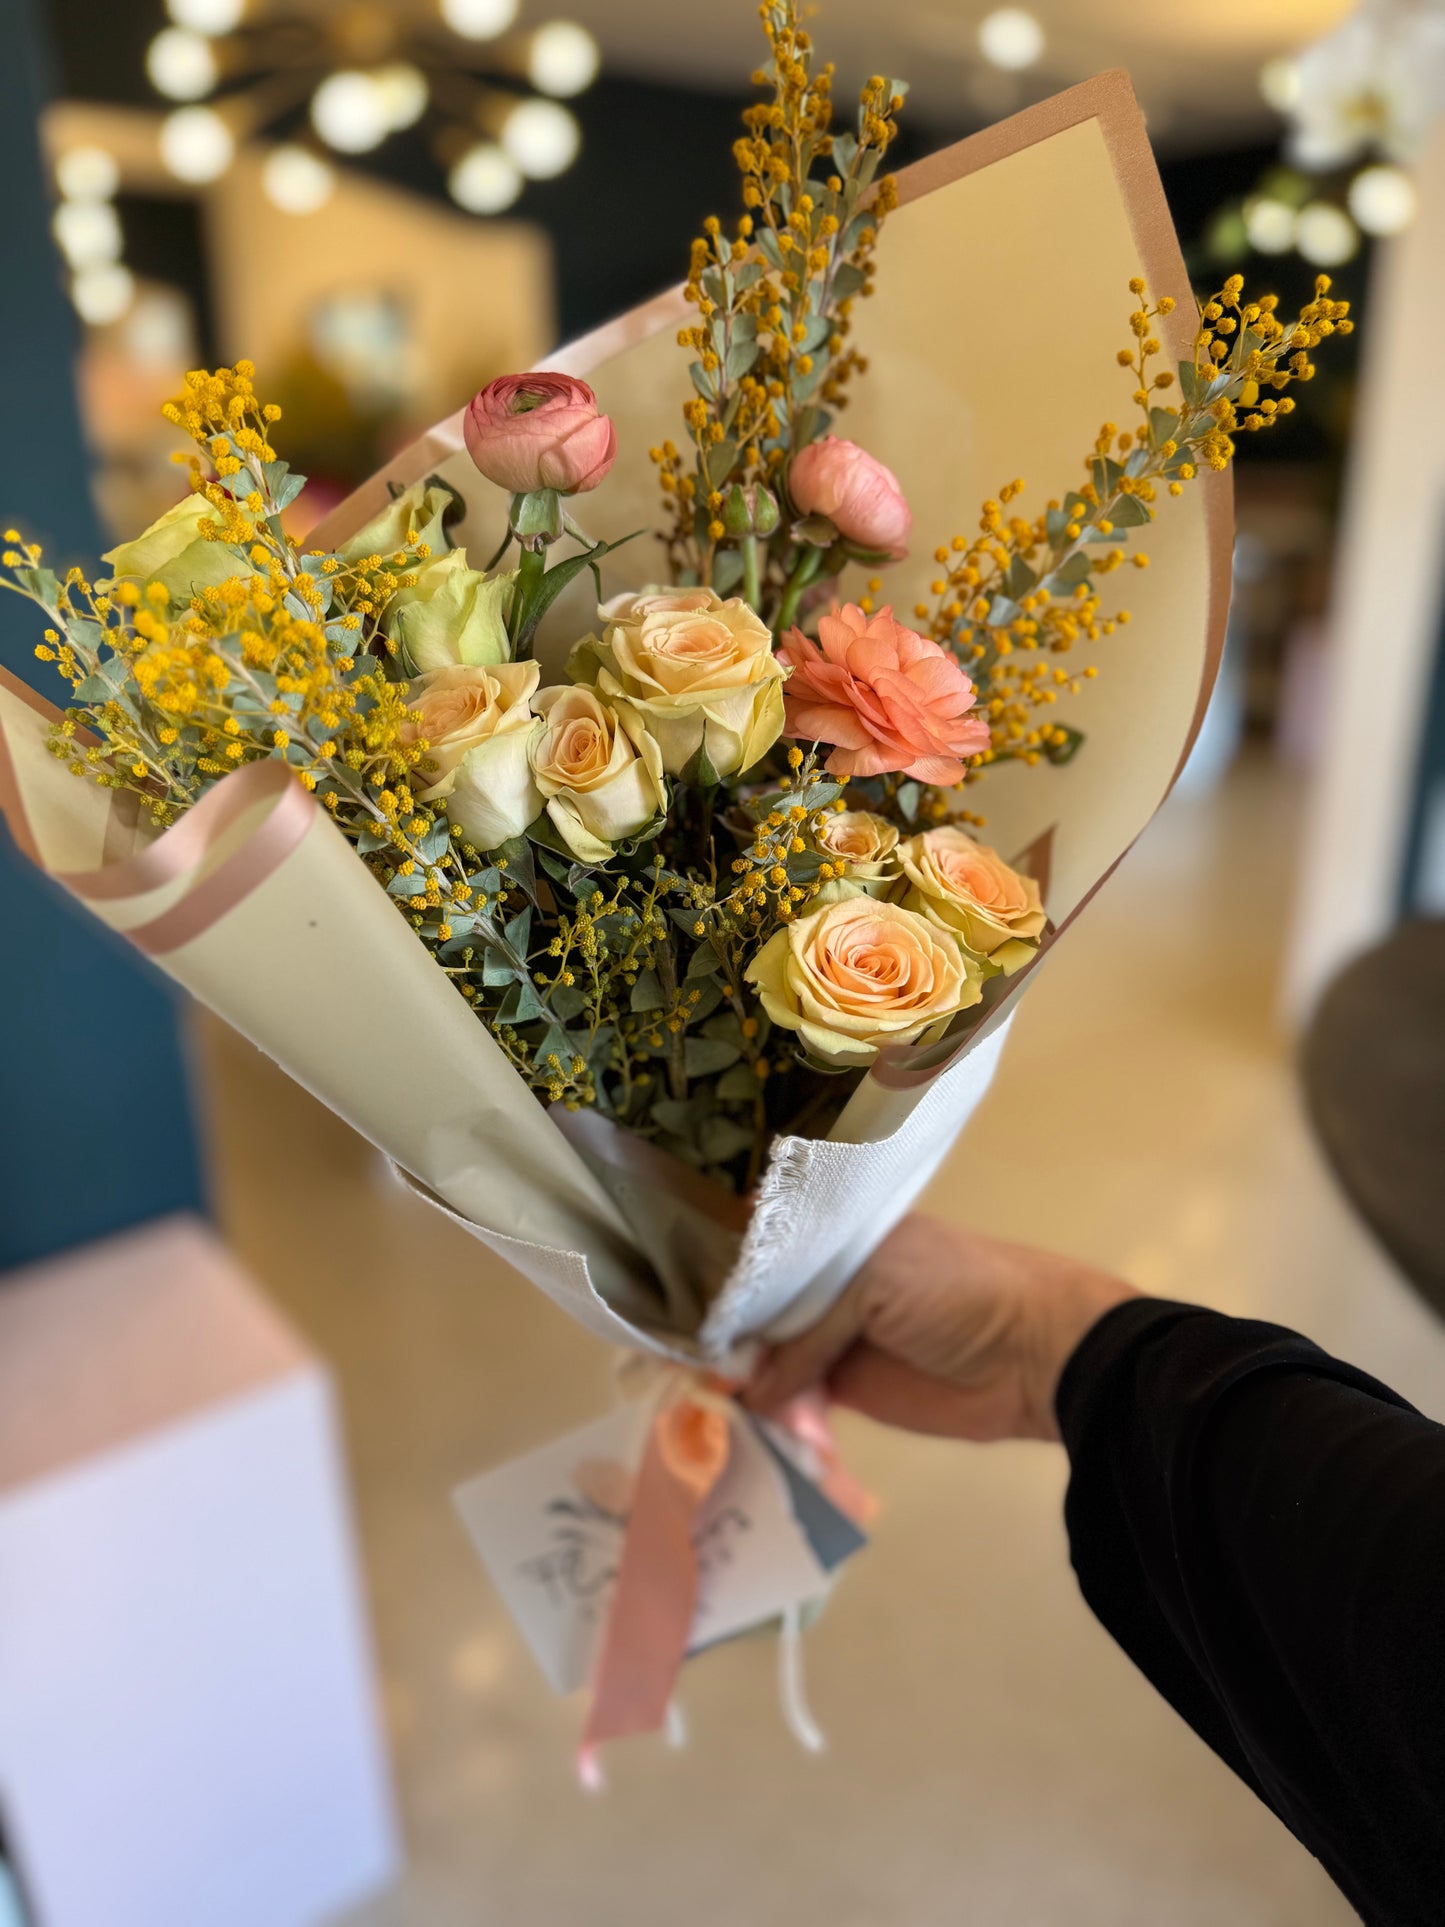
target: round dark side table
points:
(1373, 1065)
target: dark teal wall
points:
(96, 1126)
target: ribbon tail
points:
(650, 1620)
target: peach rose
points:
(531, 432)
(857, 974)
(964, 887)
(599, 770)
(890, 699)
(868, 844)
(859, 496)
(692, 666)
(477, 723)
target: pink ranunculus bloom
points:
(530, 432)
(889, 699)
(859, 496)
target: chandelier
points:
(488, 92)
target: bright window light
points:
(404, 94)
(1270, 226)
(1279, 83)
(88, 232)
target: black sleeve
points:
(1262, 1529)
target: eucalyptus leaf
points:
(647, 992)
(704, 1056)
(721, 1140)
(737, 1085)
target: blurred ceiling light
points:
(478, 19)
(296, 180)
(1269, 225)
(207, 16)
(562, 58)
(158, 331)
(181, 64)
(1279, 82)
(196, 144)
(404, 94)
(87, 174)
(348, 111)
(369, 69)
(485, 180)
(1325, 235)
(102, 294)
(1382, 199)
(88, 232)
(542, 138)
(1010, 38)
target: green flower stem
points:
(530, 571)
(752, 574)
(806, 571)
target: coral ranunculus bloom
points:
(891, 700)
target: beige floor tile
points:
(993, 1758)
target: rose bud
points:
(858, 495)
(532, 432)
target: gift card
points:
(549, 1527)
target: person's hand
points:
(945, 1331)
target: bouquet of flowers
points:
(702, 863)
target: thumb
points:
(797, 1363)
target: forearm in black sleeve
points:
(1262, 1528)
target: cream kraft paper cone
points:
(1002, 297)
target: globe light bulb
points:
(87, 174)
(88, 232)
(207, 16)
(542, 138)
(296, 180)
(102, 294)
(562, 59)
(485, 180)
(478, 19)
(1269, 226)
(348, 111)
(1382, 199)
(1010, 38)
(404, 94)
(1279, 82)
(196, 144)
(1325, 235)
(180, 64)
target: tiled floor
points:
(993, 1758)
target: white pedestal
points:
(188, 1731)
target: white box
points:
(189, 1734)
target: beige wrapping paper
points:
(1002, 298)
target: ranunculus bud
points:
(750, 511)
(541, 431)
(859, 496)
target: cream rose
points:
(453, 614)
(477, 724)
(963, 886)
(868, 844)
(858, 974)
(599, 770)
(417, 513)
(694, 668)
(173, 552)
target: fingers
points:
(799, 1362)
